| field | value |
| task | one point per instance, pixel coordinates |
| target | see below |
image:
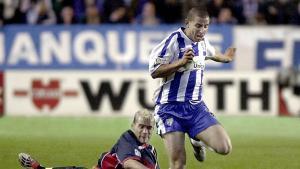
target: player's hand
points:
(187, 57)
(230, 53)
(95, 167)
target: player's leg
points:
(174, 144)
(217, 138)
(208, 132)
(170, 119)
(28, 162)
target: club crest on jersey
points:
(169, 121)
(137, 153)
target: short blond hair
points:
(145, 115)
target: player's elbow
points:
(154, 75)
(228, 60)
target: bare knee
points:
(178, 160)
(177, 165)
(224, 147)
(174, 143)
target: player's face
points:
(197, 28)
(143, 129)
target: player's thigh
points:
(216, 137)
(174, 143)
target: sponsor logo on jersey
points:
(137, 152)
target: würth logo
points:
(45, 94)
(48, 94)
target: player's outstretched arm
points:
(168, 69)
(227, 57)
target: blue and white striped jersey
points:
(186, 83)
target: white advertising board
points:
(115, 93)
(76, 93)
(243, 93)
(266, 47)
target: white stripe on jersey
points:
(183, 84)
(197, 86)
(166, 89)
(186, 85)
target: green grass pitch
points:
(258, 142)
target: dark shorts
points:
(188, 117)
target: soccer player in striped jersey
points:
(132, 150)
(179, 62)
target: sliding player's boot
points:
(27, 162)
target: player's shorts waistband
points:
(183, 110)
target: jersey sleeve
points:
(163, 53)
(211, 51)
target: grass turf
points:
(258, 142)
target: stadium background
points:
(73, 72)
